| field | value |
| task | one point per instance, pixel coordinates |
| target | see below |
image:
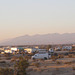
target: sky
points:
(30, 17)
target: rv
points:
(30, 50)
(41, 56)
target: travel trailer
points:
(66, 47)
(30, 50)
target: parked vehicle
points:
(41, 56)
(51, 50)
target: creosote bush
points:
(7, 54)
(6, 71)
(35, 64)
(14, 58)
(68, 63)
(3, 62)
(70, 55)
(58, 62)
(21, 66)
(57, 69)
(27, 57)
(60, 56)
(53, 58)
(42, 60)
(8, 58)
(73, 67)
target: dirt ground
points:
(49, 67)
(62, 66)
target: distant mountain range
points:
(45, 39)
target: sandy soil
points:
(49, 67)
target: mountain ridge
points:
(39, 39)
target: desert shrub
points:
(7, 54)
(66, 54)
(55, 54)
(6, 71)
(70, 55)
(45, 66)
(68, 63)
(14, 58)
(58, 62)
(27, 57)
(57, 69)
(2, 62)
(60, 56)
(21, 66)
(31, 54)
(38, 70)
(73, 67)
(53, 58)
(42, 60)
(64, 49)
(35, 64)
(8, 58)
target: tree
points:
(21, 66)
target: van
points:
(42, 56)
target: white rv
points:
(41, 56)
(30, 50)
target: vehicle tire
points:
(45, 58)
(33, 58)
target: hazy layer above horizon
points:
(21, 17)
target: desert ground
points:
(55, 66)
(62, 66)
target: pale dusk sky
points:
(21, 17)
